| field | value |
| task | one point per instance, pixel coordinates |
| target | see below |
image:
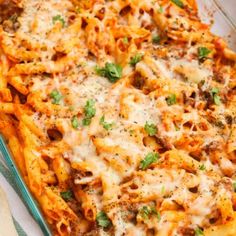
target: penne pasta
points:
(120, 116)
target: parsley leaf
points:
(171, 100)
(89, 108)
(125, 40)
(86, 121)
(158, 216)
(163, 189)
(214, 91)
(203, 53)
(146, 211)
(58, 18)
(234, 186)
(89, 111)
(216, 98)
(177, 128)
(202, 167)
(131, 132)
(75, 122)
(111, 71)
(56, 96)
(137, 58)
(198, 232)
(179, 3)
(67, 195)
(151, 129)
(156, 39)
(161, 10)
(103, 220)
(106, 125)
(148, 160)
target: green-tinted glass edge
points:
(26, 195)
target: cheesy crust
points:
(121, 115)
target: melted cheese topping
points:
(149, 142)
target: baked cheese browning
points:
(121, 115)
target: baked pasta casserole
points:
(120, 115)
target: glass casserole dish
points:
(223, 26)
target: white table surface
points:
(17, 207)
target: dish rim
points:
(27, 196)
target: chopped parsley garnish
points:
(179, 3)
(89, 111)
(131, 132)
(56, 96)
(156, 39)
(150, 128)
(148, 160)
(214, 91)
(103, 220)
(203, 52)
(111, 71)
(161, 10)
(171, 100)
(58, 18)
(202, 167)
(146, 211)
(75, 122)
(137, 58)
(216, 98)
(198, 232)
(176, 128)
(86, 121)
(125, 40)
(234, 186)
(67, 195)
(163, 189)
(106, 125)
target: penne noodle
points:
(120, 115)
